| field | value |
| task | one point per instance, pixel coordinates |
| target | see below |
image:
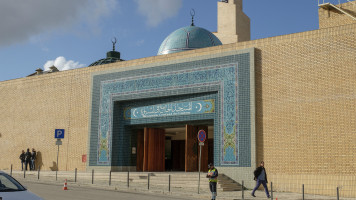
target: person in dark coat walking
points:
(23, 159)
(27, 159)
(33, 159)
(261, 178)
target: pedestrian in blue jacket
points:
(261, 178)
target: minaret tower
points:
(233, 23)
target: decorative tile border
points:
(235, 139)
(225, 74)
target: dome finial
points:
(114, 40)
(192, 13)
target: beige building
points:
(300, 90)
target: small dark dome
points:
(111, 57)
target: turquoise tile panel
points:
(226, 77)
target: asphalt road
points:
(56, 192)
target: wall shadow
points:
(259, 107)
(54, 166)
(38, 162)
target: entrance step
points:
(228, 184)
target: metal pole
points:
(110, 178)
(75, 177)
(199, 168)
(169, 183)
(243, 191)
(24, 173)
(271, 190)
(92, 176)
(56, 174)
(38, 173)
(128, 179)
(148, 182)
(57, 159)
(303, 191)
(11, 171)
(337, 193)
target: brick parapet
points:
(305, 105)
(330, 17)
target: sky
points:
(75, 33)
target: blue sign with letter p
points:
(59, 133)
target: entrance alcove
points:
(165, 138)
(174, 148)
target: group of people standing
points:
(29, 159)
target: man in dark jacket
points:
(33, 159)
(261, 178)
(22, 158)
(27, 159)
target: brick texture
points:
(305, 109)
(330, 17)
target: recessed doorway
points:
(173, 148)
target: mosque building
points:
(288, 100)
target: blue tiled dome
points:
(188, 38)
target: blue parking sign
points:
(59, 133)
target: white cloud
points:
(62, 64)
(157, 11)
(20, 20)
(140, 43)
(97, 9)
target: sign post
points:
(201, 138)
(58, 134)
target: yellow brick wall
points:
(332, 17)
(33, 107)
(306, 105)
(305, 109)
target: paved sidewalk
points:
(101, 182)
(55, 192)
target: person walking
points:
(33, 159)
(213, 180)
(27, 159)
(261, 178)
(22, 158)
